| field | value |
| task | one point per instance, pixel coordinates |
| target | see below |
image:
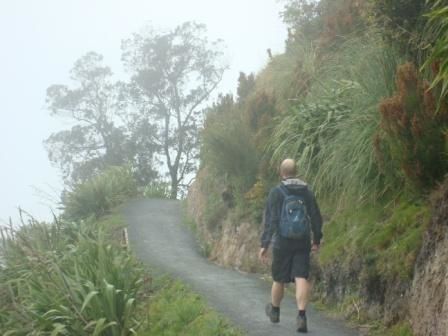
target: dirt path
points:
(158, 237)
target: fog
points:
(42, 39)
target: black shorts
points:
(290, 263)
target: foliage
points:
(99, 137)
(228, 147)
(66, 279)
(303, 15)
(99, 195)
(401, 21)
(411, 142)
(438, 58)
(159, 190)
(306, 129)
(386, 239)
(259, 110)
(173, 75)
(175, 310)
(246, 85)
(74, 278)
(256, 199)
(215, 209)
(324, 21)
(331, 131)
(399, 329)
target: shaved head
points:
(288, 168)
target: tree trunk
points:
(174, 189)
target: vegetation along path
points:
(158, 237)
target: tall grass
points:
(437, 29)
(66, 279)
(331, 131)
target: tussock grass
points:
(331, 131)
(100, 195)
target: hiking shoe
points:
(273, 314)
(301, 324)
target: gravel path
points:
(158, 238)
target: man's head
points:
(288, 168)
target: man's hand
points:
(315, 248)
(263, 255)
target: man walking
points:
(291, 215)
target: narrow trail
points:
(158, 238)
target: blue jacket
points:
(273, 210)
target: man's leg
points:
(273, 308)
(302, 293)
(277, 291)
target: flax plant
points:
(65, 279)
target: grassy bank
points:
(176, 310)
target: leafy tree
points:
(173, 75)
(98, 137)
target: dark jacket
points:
(274, 208)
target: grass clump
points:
(98, 196)
(160, 190)
(399, 329)
(175, 310)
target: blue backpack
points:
(294, 219)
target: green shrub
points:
(100, 195)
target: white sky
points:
(40, 41)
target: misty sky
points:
(40, 41)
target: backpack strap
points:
(283, 190)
